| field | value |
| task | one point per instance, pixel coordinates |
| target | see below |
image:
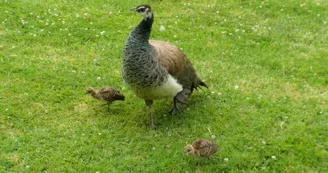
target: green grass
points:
(268, 59)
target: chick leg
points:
(108, 107)
(106, 104)
(149, 103)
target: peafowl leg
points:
(175, 110)
(182, 97)
(149, 103)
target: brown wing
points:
(107, 93)
(204, 147)
(177, 64)
(201, 143)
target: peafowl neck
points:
(140, 66)
(140, 34)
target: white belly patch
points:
(169, 89)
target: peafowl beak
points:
(133, 9)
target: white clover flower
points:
(213, 136)
(226, 159)
(162, 28)
(24, 22)
(274, 157)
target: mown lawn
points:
(266, 63)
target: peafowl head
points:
(144, 10)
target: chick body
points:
(108, 94)
(201, 148)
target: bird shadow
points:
(199, 161)
(101, 108)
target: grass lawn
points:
(266, 63)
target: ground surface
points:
(265, 62)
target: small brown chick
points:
(201, 148)
(107, 94)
